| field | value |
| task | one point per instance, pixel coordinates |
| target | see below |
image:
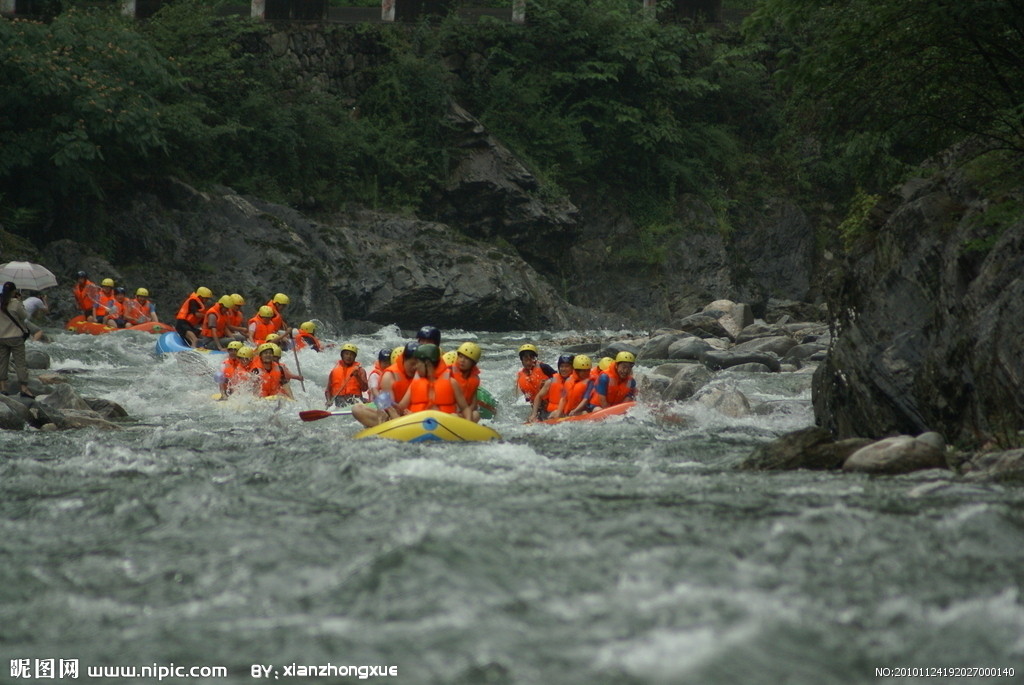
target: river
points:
(224, 534)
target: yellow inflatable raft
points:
(427, 426)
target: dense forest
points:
(828, 102)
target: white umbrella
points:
(27, 276)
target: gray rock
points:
(13, 414)
(899, 454)
(658, 346)
(107, 409)
(64, 397)
(760, 330)
(670, 369)
(716, 360)
(36, 359)
(704, 326)
(1006, 466)
(748, 368)
(688, 347)
(808, 448)
(728, 401)
(687, 382)
(777, 345)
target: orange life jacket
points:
(190, 313)
(304, 339)
(469, 385)
(235, 317)
(530, 383)
(104, 303)
(343, 380)
(556, 391)
(402, 381)
(135, 312)
(432, 393)
(576, 390)
(235, 371)
(86, 294)
(277, 319)
(618, 390)
(260, 329)
(270, 381)
(220, 326)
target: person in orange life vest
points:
(602, 366)
(262, 325)
(236, 320)
(373, 378)
(86, 295)
(213, 333)
(579, 387)
(104, 301)
(271, 376)
(305, 337)
(232, 367)
(393, 383)
(115, 309)
(466, 374)
(430, 335)
(190, 314)
(245, 356)
(278, 353)
(532, 376)
(347, 381)
(139, 309)
(616, 385)
(433, 387)
(549, 398)
(278, 303)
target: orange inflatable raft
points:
(78, 324)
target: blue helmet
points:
(429, 333)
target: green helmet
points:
(428, 352)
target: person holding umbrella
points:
(13, 333)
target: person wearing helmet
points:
(261, 325)
(533, 375)
(105, 307)
(86, 293)
(190, 314)
(278, 303)
(304, 337)
(550, 399)
(116, 310)
(278, 354)
(140, 309)
(615, 385)
(236, 325)
(430, 335)
(579, 387)
(466, 374)
(393, 383)
(232, 367)
(271, 377)
(373, 378)
(602, 365)
(347, 380)
(214, 334)
(433, 387)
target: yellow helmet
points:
(266, 311)
(107, 282)
(528, 348)
(274, 348)
(141, 292)
(281, 298)
(625, 357)
(226, 301)
(395, 353)
(235, 345)
(582, 361)
(203, 291)
(473, 351)
(271, 337)
(349, 347)
(308, 327)
(449, 357)
(605, 363)
(246, 352)
(237, 299)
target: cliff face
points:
(927, 319)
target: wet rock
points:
(899, 454)
(658, 346)
(1007, 466)
(650, 385)
(716, 360)
(36, 359)
(748, 368)
(777, 345)
(107, 409)
(687, 382)
(808, 448)
(733, 317)
(688, 347)
(804, 351)
(704, 326)
(727, 401)
(13, 414)
(759, 330)
(670, 369)
(64, 397)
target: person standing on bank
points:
(13, 333)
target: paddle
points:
(317, 414)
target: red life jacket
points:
(530, 383)
(433, 393)
(469, 385)
(343, 380)
(220, 327)
(304, 339)
(192, 314)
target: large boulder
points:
(808, 448)
(899, 454)
(929, 317)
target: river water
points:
(224, 534)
